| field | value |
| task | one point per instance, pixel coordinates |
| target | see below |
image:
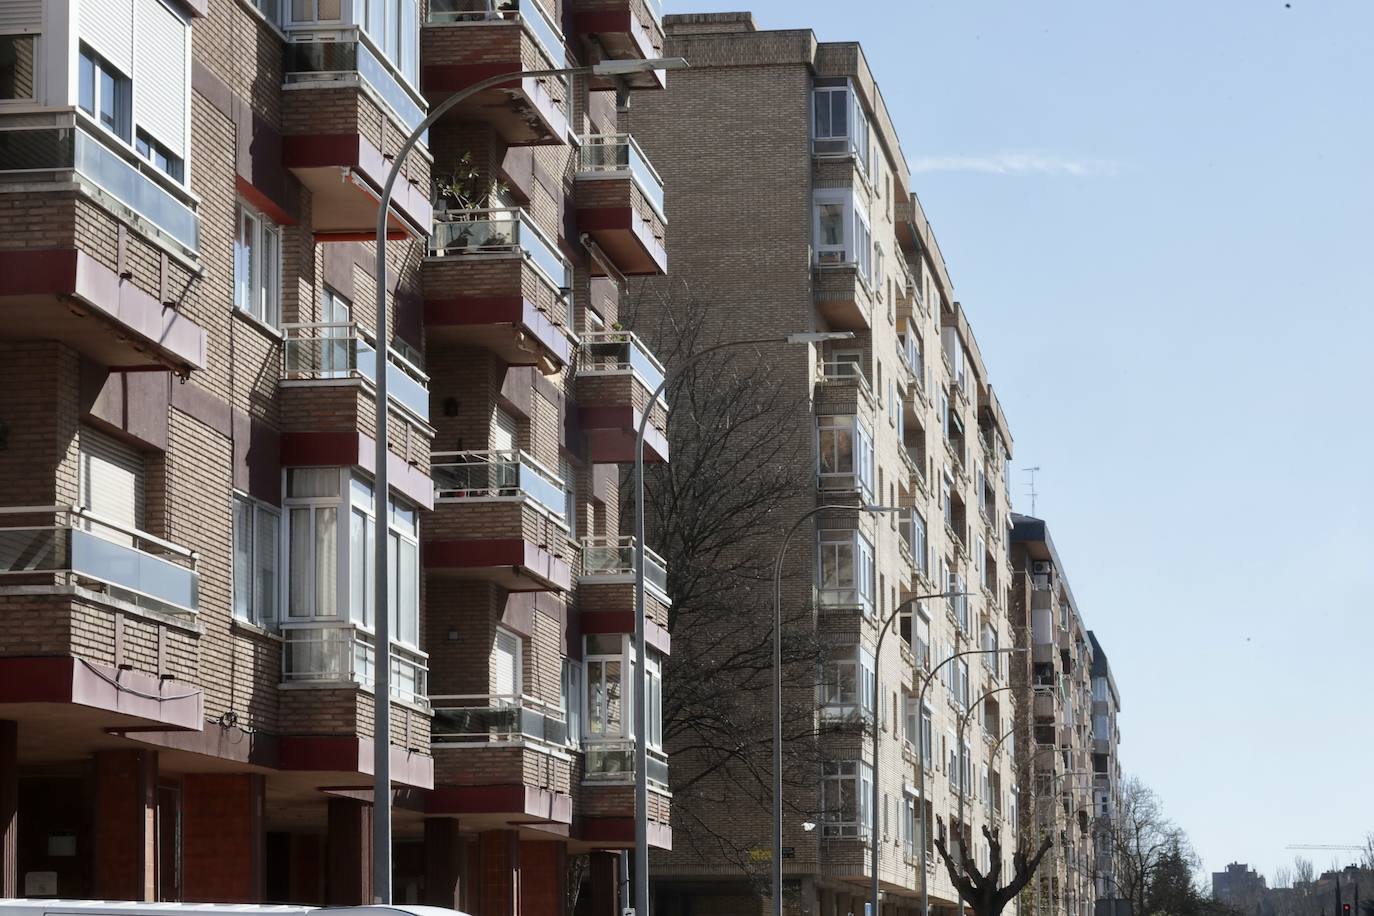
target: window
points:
(104, 93)
(961, 684)
(569, 476)
(653, 700)
(841, 231)
(846, 570)
(17, 70)
(256, 526)
(878, 278)
(166, 163)
(830, 129)
(403, 557)
(909, 823)
(848, 686)
(606, 705)
(572, 698)
(312, 511)
(846, 799)
(257, 266)
(316, 10)
(846, 454)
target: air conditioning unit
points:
(1040, 567)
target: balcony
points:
(608, 805)
(621, 30)
(497, 719)
(617, 376)
(334, 655)
(606, 593)
(324, 352)
(620, 204)
(468, 41)
(55, 282)
(614, 763)
(843, 388)
(842, 295)
(96, 557)
(330, 120)
(499, 516)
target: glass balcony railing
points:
(619, 153)
(615, 557)
(531, 13)
(111, 167)
(459, 232)
(330, 654)
(494, 718)
(344, 53)
(488, 474)
(615, 762)
(320, 351)
(131, 565)
(611, 352)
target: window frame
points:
(91, 72)
(35, 40)
(257, 265)
(252, 612)
(150, 149)
(860, 592)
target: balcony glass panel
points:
(603, 556)
(460, 232)
(616, 763)
(332, 654)
(530, 12)
(619, 351)
(475, 474)
(601, 153)
(340, 350)
(492, 718)
(136, 566)
(309, 61)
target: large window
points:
(839, 124)
(608, 708)
(848, 686)
(166, 162)
(913, 528)
(104, 93)
(846, 570)
(312, 504)
(257, 266)
(17, 70)
(841, 231)
(316, 10)
(846, 454)
(403, 559)
(847, 799)
(256, 526)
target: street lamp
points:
(381, 739)
(777, 682)
(641, 721)
(925, 878)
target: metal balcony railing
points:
(530, 13)
(614, 557)
(325, 351)
(498, 474)
(83, 547)
(618, 352)
(615, 762)
(620, 154)
(844, 372)
(496, 230)
(328, 55)
(335, 654)
(496, 718)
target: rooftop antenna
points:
(1032, 472)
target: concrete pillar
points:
(499, 881)
(125, 825)
(605, 882)
(444, 863)
(543, 874)
(9, 809)
(223, 837)
(348, 874)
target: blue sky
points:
(1158, 216)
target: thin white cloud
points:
(1018, 164)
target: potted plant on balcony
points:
(459, 192)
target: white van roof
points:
(34, 907)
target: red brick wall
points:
(222, 837)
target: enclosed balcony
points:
(496, 281)
(621, 30)
(331, 655)
(499, 516)
(57, 282)
(331, 140)
(620, 204)
(467, 41)
(617, 376)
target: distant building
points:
(1239, 885)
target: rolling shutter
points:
(505, 664)
(18, 17)
(108, 27)
(161, 42)
(111, 481)
(505, 436)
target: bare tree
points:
(984, 891)
(1303, 871)
(1367, 854)
(1283, 877)
(740, 465)
(1143, 841)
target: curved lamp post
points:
(381, 738)
(641, 889)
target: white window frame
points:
(312, 506)
(257, 265)
(856, 246)
(123, 129)
(313, 17)
(831, 546)
(838, 778)
(861, 452)
(252, 608)
(596, 720)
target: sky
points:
(1157, 216)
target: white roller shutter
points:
(108, 26)
(161, 42)
(505, 435)
(111, 482)
(505, 664)
(21, 16)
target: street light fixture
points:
(381, 738)
(641, 889)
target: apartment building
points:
(1058, 765)
(190, 190)
(1106, 778)
(793, 212)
